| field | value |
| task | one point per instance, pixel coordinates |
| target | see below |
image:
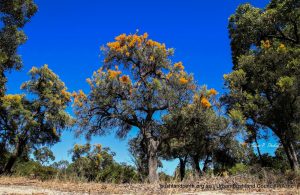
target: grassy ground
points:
(19, 185)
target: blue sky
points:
(67, 35)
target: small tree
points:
(43, 155)
(38, 119)
(98, 164)
(198, 129)
(138, 99)
(264, 84)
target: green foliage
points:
(14, 15)
(43, 155)
(119, 101)
(238, 168)
(35, 170)
(97, 164)
(264, 84)
(35, 119)
(229, 153)
(198, 132)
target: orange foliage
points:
(183, 80)
(205, 103)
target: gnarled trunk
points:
(152, 147)
(19, 148)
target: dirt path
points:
(33, 190)
(18, 190)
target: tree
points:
(199, 129)
(43, 155)
(98, 164)
(264, 84)
(37, 119)
(62, 165)
(14, 15)
(135, 100)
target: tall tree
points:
(265, 82)
(36, 119)
(14, 15)
(135, 100)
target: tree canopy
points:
(35, 119)
(148, 87)
(264, 84)
(14, 15)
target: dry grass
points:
(102, 188)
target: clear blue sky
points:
(67, 35)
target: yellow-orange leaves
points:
(145, 35)
(65, 94)
(169, 75)
(151, 58)
(205, 103)
(281, 48)
(79, 98)
(156, 44)
(212, 92)
(183, 80)
(125, 79)
(179, 65)
(134, 39)
(127, 44)
(266, 44)
(121, 37)
(112, 74)
(114, 45)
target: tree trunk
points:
(13, 158)
(196, 166)
(182, 162)
(205, 166)
(291, 154)
(152, 146)
(258, 150)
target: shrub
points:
(35, 170)
(238, 168)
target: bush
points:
(163, 177)
(35, 170)
(238, 168)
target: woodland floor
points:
(18, 186)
